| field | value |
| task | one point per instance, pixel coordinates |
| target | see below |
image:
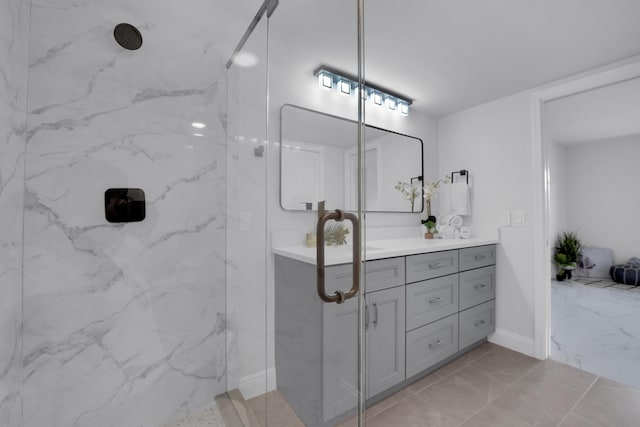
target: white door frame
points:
(540, 146)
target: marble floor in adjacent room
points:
(597, 329)
(490, 386)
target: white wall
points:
(493, 141)
(602, 198)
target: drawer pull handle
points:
(435, 265)
(478, 257)
(480, 323)
(434, 301)
(480, 286)
(435, 344)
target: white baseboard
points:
(514, 342)
(257, 384)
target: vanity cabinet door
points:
(339, 358)
(385, 339)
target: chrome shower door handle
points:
(339, 296)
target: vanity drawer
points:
(431, 300)
(430, 344)
(477, 286)
(384, 273)
(477, 257)
(379, 274)
(477, 322)
(428, 266)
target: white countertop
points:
(378, 249)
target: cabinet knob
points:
(480, 286)
(480, 323)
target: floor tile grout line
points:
(500, 394)
(579, 400)
(407, 396)
(442, 377)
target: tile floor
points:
(208, 417)
(596, 327)
(490, 386)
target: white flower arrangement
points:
(409, 191)
(431, 190)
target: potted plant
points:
(567, 251)
(431, 228)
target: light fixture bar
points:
(346, 84)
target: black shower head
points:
(127, 36)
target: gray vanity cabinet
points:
(421, 311)
(385, 344)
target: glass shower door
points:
(315, 301)
(294, 348)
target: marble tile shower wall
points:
(14, 17)
(124, 324)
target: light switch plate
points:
(519, 218)
(505, 219)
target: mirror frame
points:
(355, 122)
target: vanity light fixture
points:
(325, 80)
(344, 87)
(377, 98)
(346, 84)
(403, 108)
(390, 102)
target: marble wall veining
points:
(14, 37)
(124, 324)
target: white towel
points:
(444, 219)
(465, 232)
(455, 221)
(456, 233)
(448, 232)
(459, 199)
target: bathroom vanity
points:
(426, 303)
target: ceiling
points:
(608, 112)
(449, 55)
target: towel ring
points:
(461, 172)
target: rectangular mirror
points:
(318, 161)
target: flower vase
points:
(428, 235)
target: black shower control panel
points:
(124, 205)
